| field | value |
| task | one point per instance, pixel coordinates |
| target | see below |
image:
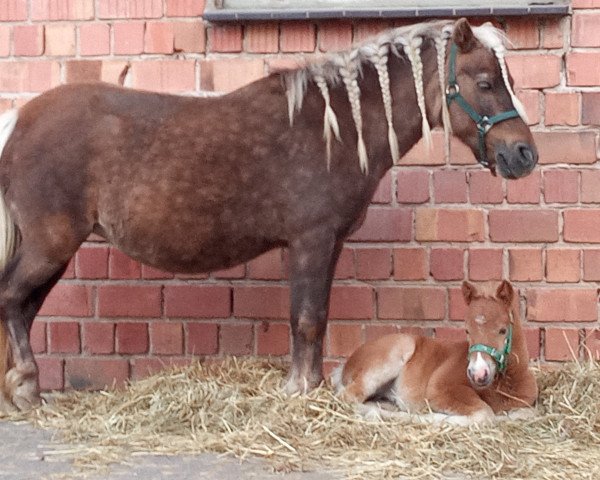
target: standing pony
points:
(197, 184)
(471, 381)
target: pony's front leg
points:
(462, 405)
(313, 256)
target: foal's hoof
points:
(23, 389)
(299, 385)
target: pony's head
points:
(489, 322)
(483, 110)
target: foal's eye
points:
(467, 331)
(483, 85)
(502, 331)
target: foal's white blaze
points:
(480, 319)
(480, 367)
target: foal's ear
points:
(505, 293)
(463, 36)
(469, 292)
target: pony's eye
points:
(502, 331)
(483, 85)
(467, 331)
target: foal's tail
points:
(8, 231)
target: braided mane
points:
(347, 68)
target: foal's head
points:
(484, 112)
(489, 323)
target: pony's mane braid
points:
(413, 51)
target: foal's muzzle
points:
(515, 160)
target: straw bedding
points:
(236, 407)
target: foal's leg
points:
(313, 257)
(461, 403)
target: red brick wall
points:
(432, 223)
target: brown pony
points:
(197, 184)
(470, 381)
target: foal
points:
(471, 381)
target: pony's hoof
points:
(23, 389)
(299, 385)
(6, 406)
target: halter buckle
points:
(484, 124)
(452, 90)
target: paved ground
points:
(22, 457)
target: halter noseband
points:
(500, 357)
(483, 122)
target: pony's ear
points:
(463, 36)
(469, 292)
(505, 293)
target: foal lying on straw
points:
(470, 381)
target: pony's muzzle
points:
(515, 160)
(481, 370)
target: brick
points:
(373, 332)
(189, 37)
(561, 186)
(59, 40)
(262, 37)
(531, 101)
(562, 305)
(562, 265)
(410, 264)
(68, 300)
(562, 108)
(584, 29)
(159, 37)
(94, 39)
(523, 225)
(284, 64)
(98, 338)
(128, 38)
(62, 10)
(581, 69)
(297, 37)
(525, 264)
(166, 338)
(37, 337)
(591, 265)
(236, 272)
(225, 38)
(13, 10)
(460, 154)
(437, 224)
(202, 338)
(535, 70)
(151, 273)
(383, 193)
(582, 225)
(63, 337)
(349, 302)
(83, 71)
(451, 334)
(335, 36)
(115, 71)
(532, 341)
(590, 108)
(373, 263)
(236, 339)
(28, 40)
(561, 344)
(131, 337)
(344, 268)
(408, 303)
(525, 190)
(261, 302)
(122, 267)
(566, 147)
(412, 186)
(172, 76)
(456, 304)
(485, 188)
(592, 344)
(69, 272)
(586, 3)
(130, 8)
(129, 301)
(197, 301)
(553, 33)
(365, 29)
(523, 32)
(51, 373)
(446, 263)
(268, 266)
(343, 339)
(92, 263)
(227, 75)
(95, 373)
(485, 264)
(272, 339)
(385, 224)
(449, 186)
(185, 8)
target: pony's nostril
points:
(526, 153)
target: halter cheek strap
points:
(482, 122)
(500, 357)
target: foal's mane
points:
(405, 42)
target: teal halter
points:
(483, 122)
(500, 357)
